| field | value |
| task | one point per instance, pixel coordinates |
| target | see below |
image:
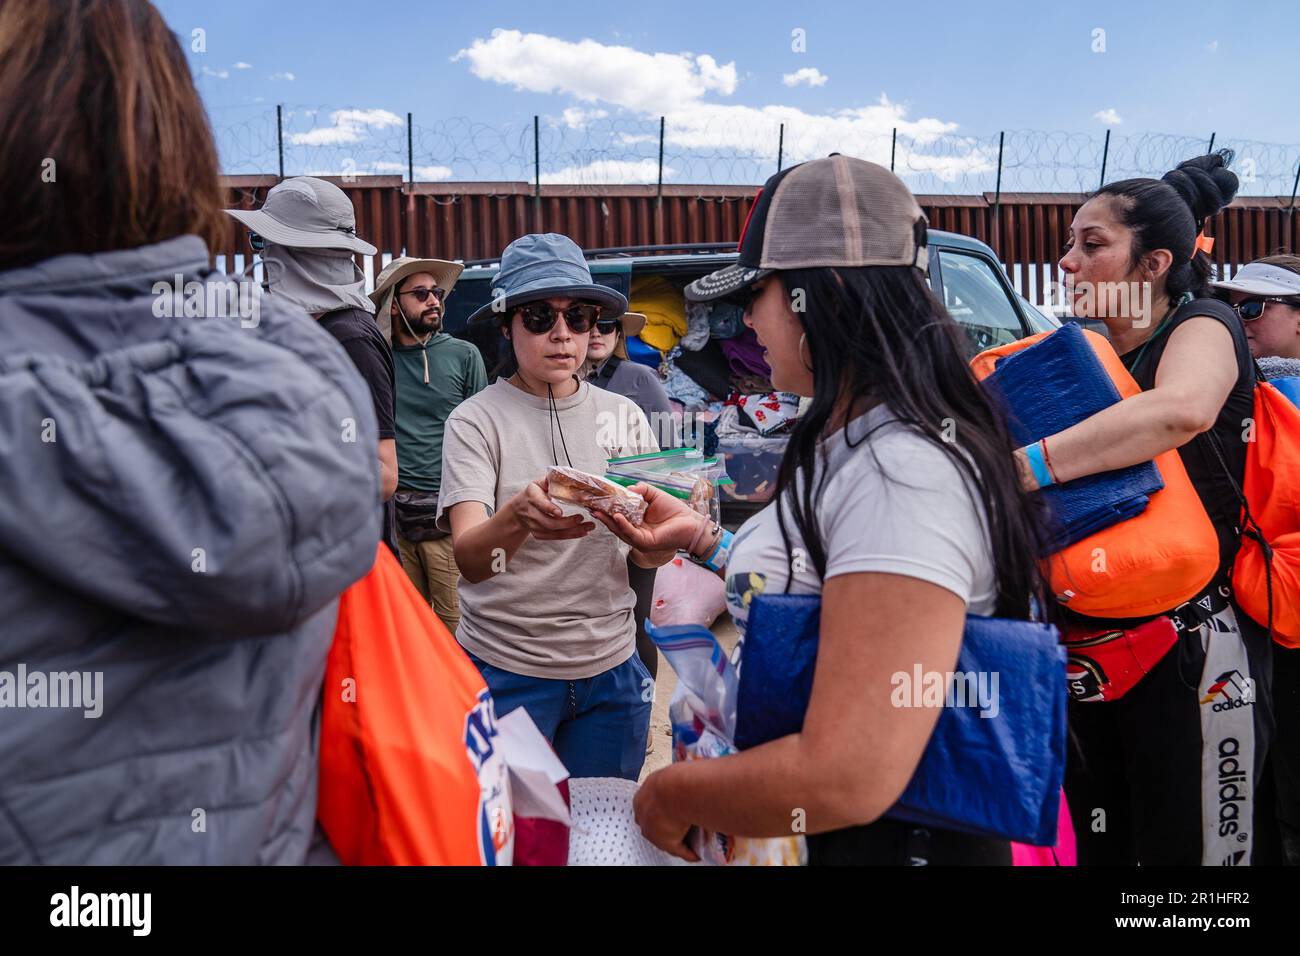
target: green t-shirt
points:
(455, 373)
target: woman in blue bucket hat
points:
(546, 609)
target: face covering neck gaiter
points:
(319, 280)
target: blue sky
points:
(948, 75)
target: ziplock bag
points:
(685, 473)
(703, 716)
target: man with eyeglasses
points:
(1266, 295)
(434, 372)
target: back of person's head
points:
(879, 332)
(1170, 212)
(104, 141)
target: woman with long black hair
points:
(1166, 774)
(898, 501)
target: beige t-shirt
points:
(560, 609)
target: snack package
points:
(703, 716)
(570, 486)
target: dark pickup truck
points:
(964, 273)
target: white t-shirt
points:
(894, 503)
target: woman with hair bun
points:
(1166, 774)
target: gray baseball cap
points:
(1261, 278)
(306, 213)
(838, 211)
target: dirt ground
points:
(661, 733)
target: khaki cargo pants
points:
(431, 566)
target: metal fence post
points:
(1290, 210)
(1211, 147)
(893, 148)
(780, 147)
(997, 200)
(537, 175)
(1105, 152)
(279, 136)
(410, 153)
(659, 195)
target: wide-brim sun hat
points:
(306, 213)
(444, 273)
(838, 212)
(544, 266)
(1260, 278)
(632, 324)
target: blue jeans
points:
(597, 725)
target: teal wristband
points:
(717, 559)
(1042, 474)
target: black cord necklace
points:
(555, 423)
(553, 415)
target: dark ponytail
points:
(1169, 213)
(878, 332)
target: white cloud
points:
(241, 65)
(346, 126)
(576, 118)
(809, 75)
(282, 76)
(423, 174)
(1212, 46)
(676, 86)
(1108, 116)
(592, 71)
(607, 171)
(219, 74)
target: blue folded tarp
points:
(993, 765)
(1046, 388)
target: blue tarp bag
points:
(1288, 386)
(996, 776)
(1046, 388)
(639, 351)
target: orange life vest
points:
(1150, 563)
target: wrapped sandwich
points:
(595, 493)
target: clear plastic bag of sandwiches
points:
(569, 486)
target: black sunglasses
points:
(1251, 309)
(256, 241)
(422, 294)
(744, 297)
(539, 318)
(607, 326)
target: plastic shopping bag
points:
(703, 716)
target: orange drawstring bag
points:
(410, 772)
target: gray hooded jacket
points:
(181, 501)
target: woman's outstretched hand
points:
(669, 523)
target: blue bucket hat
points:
(542, 266)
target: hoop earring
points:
(802, 341)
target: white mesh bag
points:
(603, 831)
